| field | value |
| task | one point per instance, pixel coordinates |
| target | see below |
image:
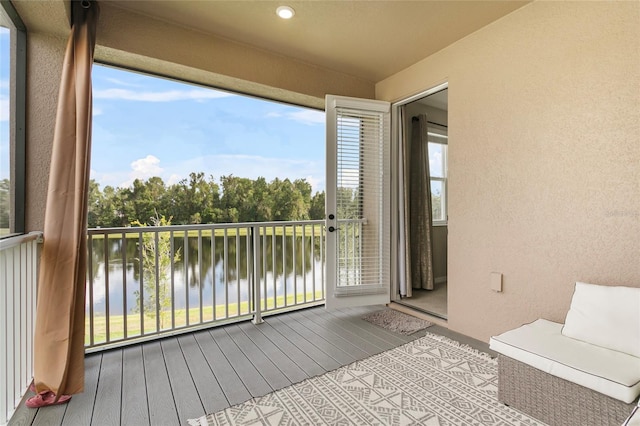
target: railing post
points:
(257, 299)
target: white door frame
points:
(370, 280)
(396, 133)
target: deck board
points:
(371, 333)
(317, 354)
(185, 394)
(352, 342)
(109, 393)
(162, 409)
(332, 335)
(135, 402)
(323, 339)
(285, 364)
(272, 374)
(80, 408)
(51, 416)
(301, 359)
(211, 394)
(250, 376)
(176, 378)
(234, 390)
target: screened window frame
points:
(438, 135)
(17, 116)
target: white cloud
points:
(113, 179)
(173, 179)
(317, 182)
(309, 117)
(253, 166)
(246, 166)
(166, 96)
(142, 168)
(147, 166)
(97, 111)
(121, 83)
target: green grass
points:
(116, 322)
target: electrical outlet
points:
(496, 282)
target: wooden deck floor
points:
(168, 381)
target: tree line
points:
(5, 209)
(201, 200)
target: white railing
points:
(147, 282)
(18, 283)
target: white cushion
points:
(635, 419)
(542, 346)
(606, 316)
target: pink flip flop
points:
(46, 398)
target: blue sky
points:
(4, 103)
(147, 126)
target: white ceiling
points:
(367, 39)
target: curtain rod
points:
(85, 4)
(430, 122)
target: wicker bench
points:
(555, 401)
(562, 380)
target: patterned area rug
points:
(430, 381)
(397, 321)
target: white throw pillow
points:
(605, 316)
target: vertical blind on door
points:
(362, 201)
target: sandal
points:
(46, 398)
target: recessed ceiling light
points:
(285, 12)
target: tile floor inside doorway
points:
(430, 301)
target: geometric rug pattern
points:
(431, 381)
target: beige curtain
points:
(59, 333)
(418, 206)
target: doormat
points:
(397, 321)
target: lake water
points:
(200, 272)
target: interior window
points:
(438, 173)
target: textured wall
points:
(544, 155)
(44, 69)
